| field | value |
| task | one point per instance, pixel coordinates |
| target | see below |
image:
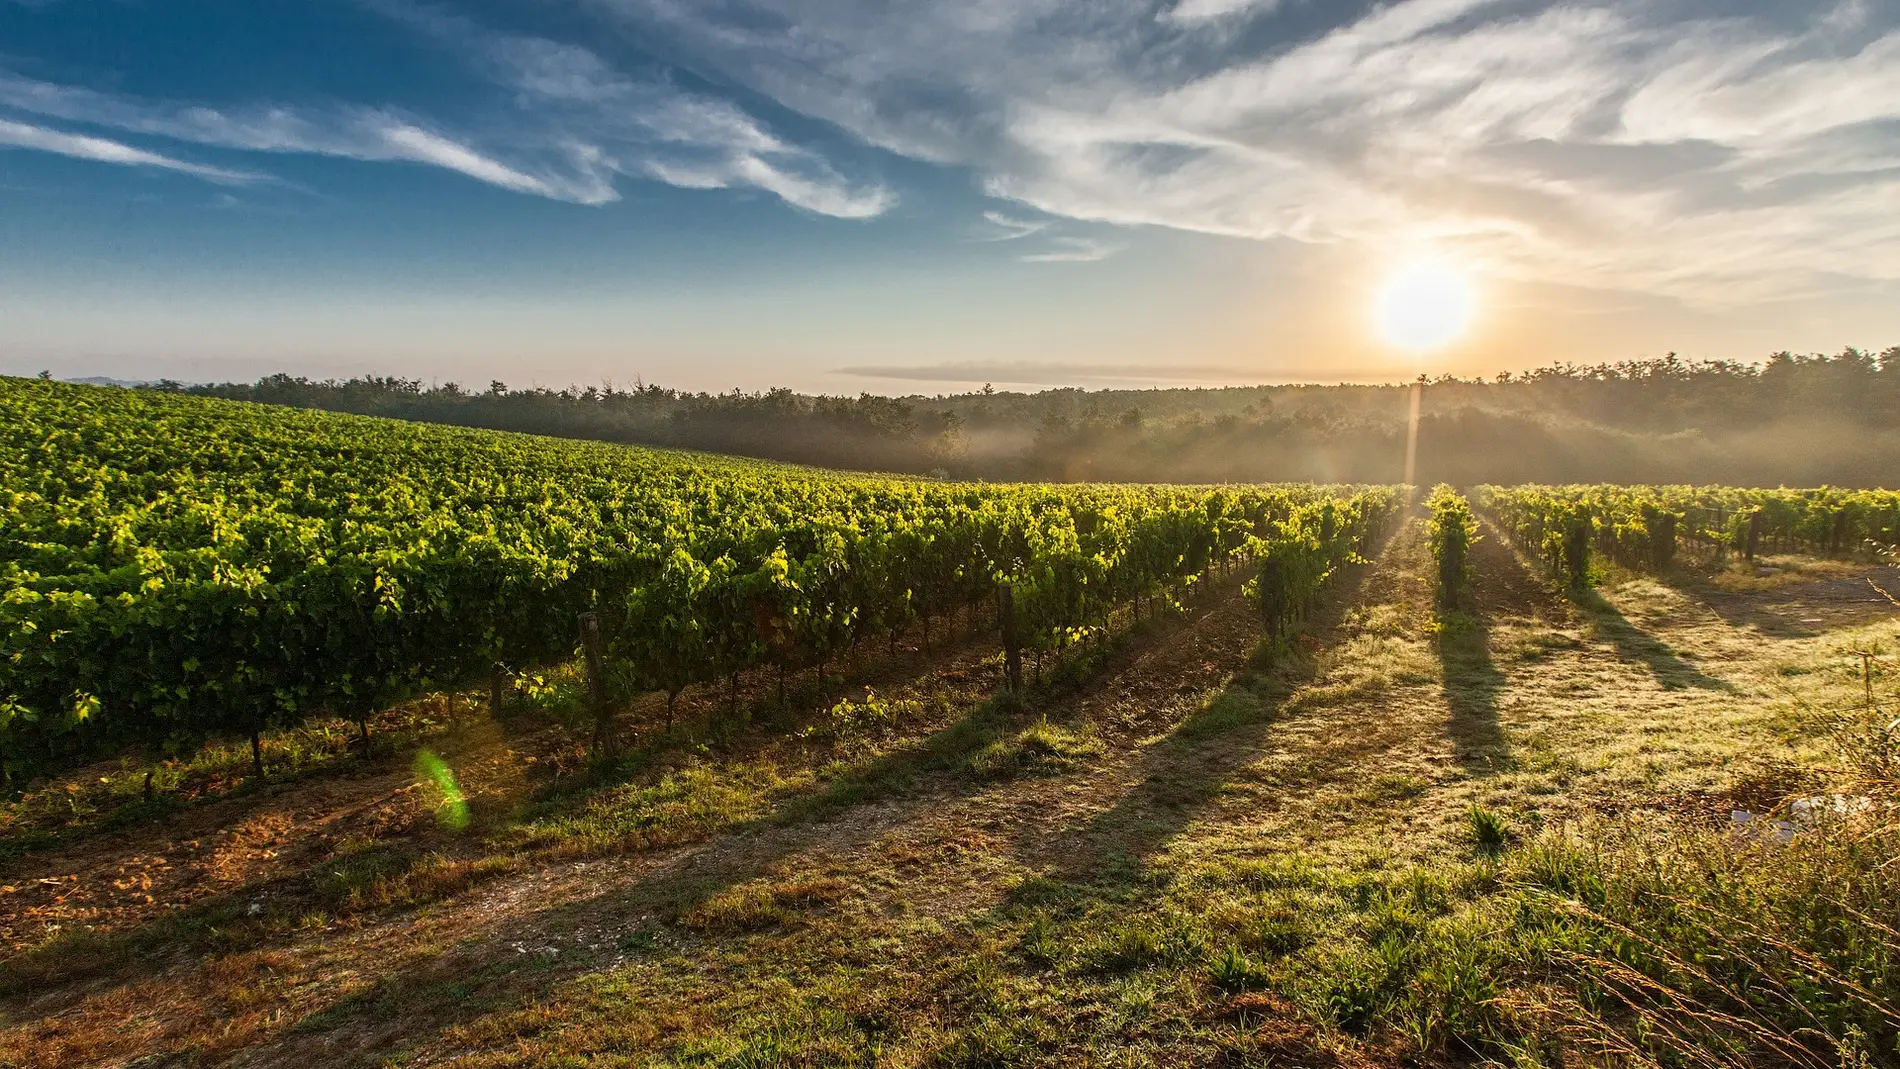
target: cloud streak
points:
(573, 127)
(619, 125)
(1039, 373)
(1010, 228)
(1068, 250)
(102, 150)
(1056, 248)
(1714, 154)
(358, 133)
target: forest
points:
(1789, 420)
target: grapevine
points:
(173, 568)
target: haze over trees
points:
(1791, 419)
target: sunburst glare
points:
(1427, 305)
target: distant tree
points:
(1648, 420)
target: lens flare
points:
(1426, 306)
(451, 806)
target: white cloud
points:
(1067, 250)
(355, 133)
(622, 126)
(1714, 156)
(1011, 227)
(413, 143)
(81, 146)
(1205, 10)
(577, 126)
(1054, 248)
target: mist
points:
(1787, 420)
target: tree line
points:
(1790, 419)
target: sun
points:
(1426, 306)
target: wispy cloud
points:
(81, 146)
(1041, 373)
(414, 143)
(1009, 228)
(1067, 250)
(649, 128)
(1190, 11)
(1054, 248)
(368, 134)
(1698, 149)
(574, 126)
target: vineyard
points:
(1646, 528)
(174, 569)
(962, 774)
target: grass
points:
(763, 903)
(1497, 838)
(1040, 749)
(1490, 831)
(138, 789)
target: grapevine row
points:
(173, 567)
(1647, 527)
(1452, 530)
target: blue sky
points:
(897, 196)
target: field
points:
(1279, 785)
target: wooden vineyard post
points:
(1273, 597)
(1012, 643)
(596, 687)
(495, 684)
(1662, 548)
(1576, 552)
(1754, 534)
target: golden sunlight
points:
(1425, 306)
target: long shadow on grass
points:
(505, 961)
(1472, 685)
(231, 921)
(1634, 644)
(1180, 776)
(508, 962)
(1801, 609)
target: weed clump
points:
(1040, 749)
(1233, 971)
(763, 903)
(1489, 830)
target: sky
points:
(923, 195)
